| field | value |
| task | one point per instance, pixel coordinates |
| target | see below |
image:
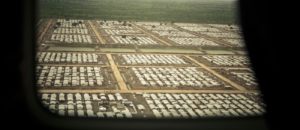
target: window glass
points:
(144, 59)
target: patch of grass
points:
(198, 11)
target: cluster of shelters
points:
(228, 34)
(71, 38)
(120, 25)
(223, 34)
(233, 28)
(69, 57)
(62, 76)
(70, 23)
(161, 105)
(71, 31)
(122, 32)
(133, 40)
(175, 33)
(102, 105)
(236, 42)
(159, 28)
(174, 77)
(181, 105)
(227, 60)
(197, 27)
(189, 41)
(248, 78)
(150, 59)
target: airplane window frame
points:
(95, 123)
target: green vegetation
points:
(198, 11)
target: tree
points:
(135, 39)
(124, 23)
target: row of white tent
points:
(71, 23)
(79, 97)
(160, 27)
(222, 34)
(116, 27)
(148, 23)
(194, 105)
(152, 59)
(174, 77)
(91, 113)
(162, 105)
(226, 60)
(247, 77)
(135, 40)
(82, 105)
(201, 29)
(71, 38)
(173, 33)
(113, 25)
(70, 31)
(65, 76)
(236, 42)
(122, 32)
(235, 28)
(193, 41)
(58, 57)
(70, 20)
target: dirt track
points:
(121, 82)
(44, 31)
(96, 32)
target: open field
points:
(198, 11)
